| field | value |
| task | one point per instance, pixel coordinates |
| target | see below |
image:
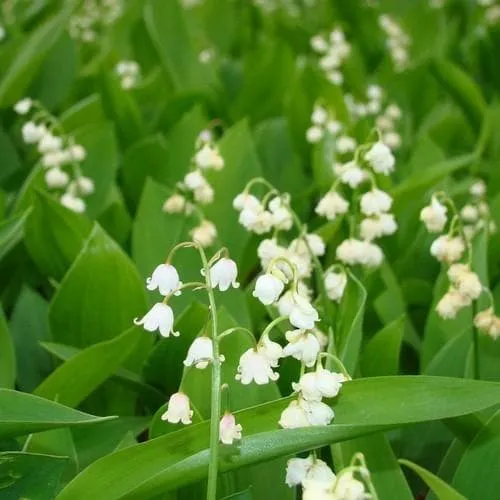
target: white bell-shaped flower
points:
(175, 204)
(346, 144)
(331, 205)
(50, 143)
(352, 175)
(56, 178)
(314, 134)
(434, 216)
(246, 201)
(349, 488)
(321, 383)
(375, 227)
(209, 157)
(84, 185)
(380, 158)
(257, 220)
(335, 284)
(448, 248)
(319, 115)
(77, 152)
(268, 250)
(268, 288)
(204, 234)
(318, 490)
(375, 202)
(178, 409)
(281, 215)
(294, 416)
(478, 189)
(320, 472)
(318, 413)
(204, 194)
(466, 281)
(303, 315)
(194, 180)
(303, 345)
(32, 132)
(200, 353)
(223, 274)
(229, 430)
(23, 106)
(159, 317)
(73, 203)
(451, 302)
(255, 366)
(271, 350)
(166, 278)
(297, 469)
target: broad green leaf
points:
(54, 235)
(9, 157)
(25, 65)
(181, 457)
(387, 477)
(78, 377)
(11, 232)
(22, 414)
(442, 490)
(380, 356)
(97, 441)
(421, 181)
(451, 359)
(462, 88)
(88, 110)
(123, 110)
(30, 475)
(242, 495)
(168, 29)
(127, 378)
(58, 73)
(145, 158)
(7, 355)
(476, 476)
(349, 329)
(99, 296)
(29, 326)
(100, 164)
(181, 147)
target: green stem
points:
(229, 331)
(216, 388)
(475, 349)
(273, 323)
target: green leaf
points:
(54, 235)
(30, 476)
(84, 112)
(350, 322)
(167, 26)
(25, 65)
(442, 490)
(242, 495)
(462, 88)
(181, 457)
(127, 378)
(421, 181)
(22, 414)
(99, 296)
(381, 354)
(29, 326)
(11, 232)
(78, 377)
(100, 164)
(7, 355)
(476, 476)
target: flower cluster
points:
(320, 483)
(451, 247)
(222, 274)
(475, 214)
(129, 73)
(374, 204)
(334, 50)
(321, 123)
(397, 42)
(93, 18)
(195, 190)
(60, 155)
